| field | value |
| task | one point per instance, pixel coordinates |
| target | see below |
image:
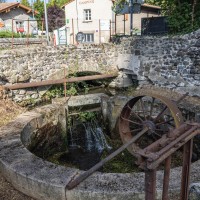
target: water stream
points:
(87, 143)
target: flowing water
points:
(87, 143)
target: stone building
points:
(17, 17)
(96, 20)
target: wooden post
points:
(99, 31)
(115, 24)
(124, 24)
(73, 30)
(12, 32)
(65, 84)
(42, 28)
(28, 33)
(110, 29)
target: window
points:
(88, 37)
(87, 15)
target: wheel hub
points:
(150, 125)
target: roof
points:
(6, 7)
(150, 6)
(143, 5)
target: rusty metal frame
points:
(59, 81)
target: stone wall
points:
(171, 62)
(47, 63)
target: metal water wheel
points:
(152, 129)
(156, 113)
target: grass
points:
(8, 111)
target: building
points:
(96, 20)
(123, 20)
(17, 17)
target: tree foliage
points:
(25, 2)
(59, 3)
(56, 17)
(183, 15)
(39, 6)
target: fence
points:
(154, 26)
(23, 32)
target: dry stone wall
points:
(171, 62)
(47, 63)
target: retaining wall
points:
(171, 62)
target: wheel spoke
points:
(135, 113)
(152, 105)
(165, 122)
(142, 106)
(133, 122)
(134, 130)
(157, 134)
(160, 114)
(172, 125)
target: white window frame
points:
(87, 15)
(88, 38)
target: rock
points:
(24, 78)
(34, 96)
(22, 92)
(194, 192)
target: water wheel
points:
(156, 114)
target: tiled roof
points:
(5, 7)
(150, 6)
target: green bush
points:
(8, 34)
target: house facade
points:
(17, 17)
(91, 17)
(97, 22)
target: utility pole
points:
(131, 16)
(46, 21)
(32, 2)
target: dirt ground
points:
(8, 111)
(8, 192)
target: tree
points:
(59, 3)
(56, 17)
(25, 2)
(39, 6)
